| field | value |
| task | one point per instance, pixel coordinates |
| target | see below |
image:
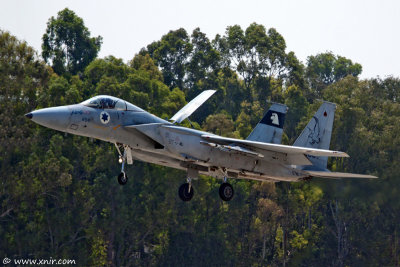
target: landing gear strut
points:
(186, 190)
(226, 191)
(126, 157)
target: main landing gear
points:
(125, 158)
(186, 190)
(226, 191)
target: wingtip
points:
(341, 154)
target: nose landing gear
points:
(122, 178)
(126, 157)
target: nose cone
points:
(55, 118)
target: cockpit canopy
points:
(109, 102)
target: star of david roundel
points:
(104, 117)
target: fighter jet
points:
(139, 135)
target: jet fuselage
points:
(164, 143)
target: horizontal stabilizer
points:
(191, 107)
(275, 147)
(338, 175)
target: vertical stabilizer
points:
(318, 132)
(270, 128)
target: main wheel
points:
(226, 192)
(184, 193)
(122, 178)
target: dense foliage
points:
(67, 43)
(59, 194)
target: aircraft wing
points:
(290, 150)
(337, 175)
(233, 149)
(190, 107)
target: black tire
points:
(122, 178)
(226, 192)
(184, 193)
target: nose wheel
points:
(126, 157)
(122, 178)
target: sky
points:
(364, 31)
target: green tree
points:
(220, 124)
(59, 196)
(171, 54)
(327, 68)
(256, 54)
(298, 105)
(67, 44)
(203, 66)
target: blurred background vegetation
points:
(60, 197)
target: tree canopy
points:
(67, 44)
(59, 195)
(326, 68)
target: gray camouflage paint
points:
(158, 141)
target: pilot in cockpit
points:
(107, 103)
